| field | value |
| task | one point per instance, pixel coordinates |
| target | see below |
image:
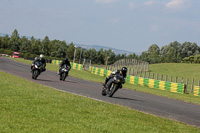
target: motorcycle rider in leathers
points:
(66, 62)
(122, 71)
(42, 60)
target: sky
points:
(131, 25)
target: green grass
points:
(95, 78)
(29, 107)
(177, 69)
(180, 70)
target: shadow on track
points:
(69, 81)
(46, 80)
(127, 98)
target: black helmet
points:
(66, 59)
(124, 70)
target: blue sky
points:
(131, 25)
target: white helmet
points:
(41, 56)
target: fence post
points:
(149, 75)
(153, 75)
(171, 79)
(161, 77)
(187, 83)
(140, 73)
(176, 79)
(144, 74)
(192, 86)
(157, 77)
(166, 77)
(90, 63)
(182, 80)
(185, 89)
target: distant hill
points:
(96, 47)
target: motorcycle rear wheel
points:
(103, 92)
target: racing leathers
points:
(43, 61)
(64, 62)
(108, 80)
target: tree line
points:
(56, 49)
(175, 52)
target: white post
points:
(80, 56)
(74, 54)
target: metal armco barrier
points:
(75, 66)
(196, 90)
(152, 83)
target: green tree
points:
(153, 53)
(144, 56)
(44, 46)
(36, 46)
(100, 57)
(189, 49)
(171, 55)
(1, 42)
(25, 45)
(70, 51)
(5, 42)
(14, 41)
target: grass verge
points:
(30, 107)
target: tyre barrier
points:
(152, 83)
(196, 90)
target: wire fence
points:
(86, 64)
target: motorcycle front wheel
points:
(36, 74)
(113, 89)
(63, 76)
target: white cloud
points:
(149, 3)
(174, 4)
(105, 1)
(131, 5)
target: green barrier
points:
(105, 72)
(180, 88)
(146, 82)
(128, 78)
(156, 84)
(136, 80)
(99, 71)
(167, 86)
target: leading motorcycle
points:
(36, 69)
(116, 83)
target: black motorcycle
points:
(116, 83)
(36, 69)
(64, 72)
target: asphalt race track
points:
(165, 107)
